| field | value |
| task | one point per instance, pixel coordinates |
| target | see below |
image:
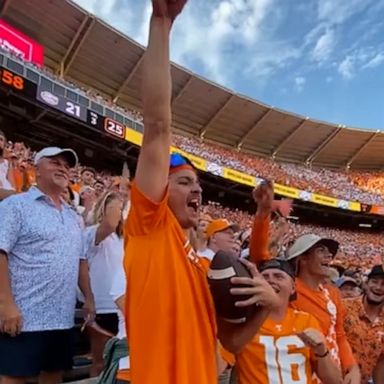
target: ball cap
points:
(377, 271)
(282, 265)
(306, 242)
(344, 280)
(219, 226)
(69, 154)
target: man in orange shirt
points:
(364, 326)
(171, 325)
(290, 346)
(313, 255)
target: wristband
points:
(323, 355)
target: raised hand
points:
(315, 340)
(263, 196)
(113, 212)
(168, 8)
(257, 287)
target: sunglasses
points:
(177, 160)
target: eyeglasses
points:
(177, 160)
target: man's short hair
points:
(98, 181)
(89, 169)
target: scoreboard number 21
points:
(72, 109)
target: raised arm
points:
(263, 196)
(153, 164)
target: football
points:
(224, 266)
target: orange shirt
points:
(365, 336)
(325, 304)
(276, 354)
(124, 375)
(171, 324)
(75, 188)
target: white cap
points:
(306, 242)
(70, 155)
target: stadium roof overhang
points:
(83, 48)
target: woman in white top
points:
(105, 250)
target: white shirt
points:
(4, 182)
(207, 253)
(105, 260)
(118, 290)
(44, 247)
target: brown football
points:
(224, 266)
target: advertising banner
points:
(18, 44)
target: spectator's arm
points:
(120, 302)
(11, 221)
(348, 361)
(6, 295)
(110, 221)
(260, 239)
(4, 193)
(327, 371)
(86, 290)
(153, 164)
(378, 372)
(234, 337)
(263, 196)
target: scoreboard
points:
(17, 83)
(20, 85)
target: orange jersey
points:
(171, 324)
(75, 187)
(325, 304)
(276, 355)
(124, 375)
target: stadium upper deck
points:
(85, 49)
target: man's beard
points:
(1, 152)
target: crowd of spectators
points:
(364, 187)
(356, 247)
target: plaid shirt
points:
(365, 337)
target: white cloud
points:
(324, 46)
(214, 35)
(299, 83)
(217, 38)
(339, 11)
(347, 67)
(360, 59)
(375, 61)
(116, 12)
(143, 30)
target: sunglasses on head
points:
(177, 160)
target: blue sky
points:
(319, 58)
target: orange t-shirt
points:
(276, 354)
(171, 324)
(325, 304)
(124, 375)
(75, 187)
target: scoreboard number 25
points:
(114, 128)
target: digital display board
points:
(16, 83)
(62, 104)
(19, 44)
